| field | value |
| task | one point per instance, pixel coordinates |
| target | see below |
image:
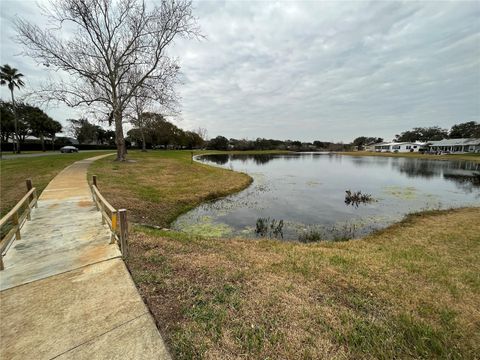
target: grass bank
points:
(41, 170)
(157, 186)
(410, 291)
(469, 157)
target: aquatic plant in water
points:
(356, 198)
(265, 227)
(312, 235)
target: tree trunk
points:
(53, 143)
(144, 144)
(119, 140)
(17, 147)
(42, 140)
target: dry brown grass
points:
(411, 291)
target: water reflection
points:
(460, 172)
(307, 191)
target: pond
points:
(303, 195)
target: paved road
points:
(65, 291)
(9, 155)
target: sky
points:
(311, 70)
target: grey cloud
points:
(325, 70)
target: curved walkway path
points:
(65, 290)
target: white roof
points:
(455, 142)
(401, 143)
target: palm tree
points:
(11, 77)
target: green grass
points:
(410, 291)
(158, 186)
(42, 169)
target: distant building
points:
(371, 146)
(454, 146)
(400, 147)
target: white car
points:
(68, 149)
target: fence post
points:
(123, 232)
(29, 184)
(1, 262)
(16, 223)
(94, 180)
(36, 197)
(29, 187)
(114, 226)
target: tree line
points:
(222, 143)
(469, 129)
(28, 120)
(154, 131)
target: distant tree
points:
(242, 144)
(7, 119)
(156, 130)
(54, 127)
(202, 132)
(84, 131)
(13, 79)
(364, 140)
(139, 105)
(296, 144)
(318, 144)
(218, 143)
(39, 123)
(422, 134)
(470, 129)
(192, 140)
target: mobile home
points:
(400, 147)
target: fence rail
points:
(116, 220)
(15, 218)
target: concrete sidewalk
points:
(65, 291)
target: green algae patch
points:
(404, 193)
(205, 227)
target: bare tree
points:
(139, 107)
(116, 47)
(144, 100)
(202, 132)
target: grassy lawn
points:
(411, 291)
(470, 157)
(407, 292)
(158, 186)
(41, 170)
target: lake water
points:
(307, 192)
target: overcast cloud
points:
(314, 70)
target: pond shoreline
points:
(357, 226)
(449, 157)
(401, 290)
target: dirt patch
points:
(85, 203)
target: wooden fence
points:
(116, 220)
(11, 223)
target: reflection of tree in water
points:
(433, 168)
(258, 159)
(362, 161)
(220, 159)
(415, 168)
(466, 183)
